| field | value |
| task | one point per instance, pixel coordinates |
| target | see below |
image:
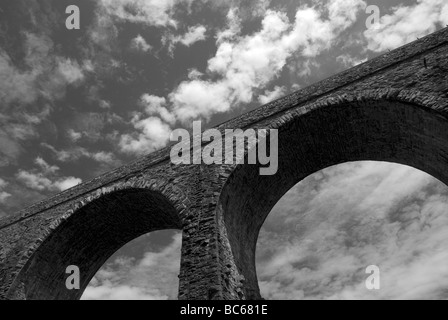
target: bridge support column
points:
(208, 270)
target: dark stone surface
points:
(392, 108)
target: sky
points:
(323, 234)
(77, 103)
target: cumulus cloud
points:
(103, 104)
(269, 96)
(193, 35)
(319, 239)
(38, 182)
(194, 74)
(156, 106)
(241, 68)
(45, 178)
(66, 183)
(153, 277)
(153, 127)
(349, 61)
(45, 167)
(139, 43)
(243, 64)
(153, 134)
(406, 23)
(70, 70)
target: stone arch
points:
(90, 231)
(404, 127)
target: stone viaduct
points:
(393, 108)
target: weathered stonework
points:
(393, 108)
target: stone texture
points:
(393, 108)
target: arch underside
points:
(88, 238)
(367, 130)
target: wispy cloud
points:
(269, 96)
(3, 194)
(45, 178)
(75, 153)
(154, 277)
(193, 35)
(47, 74)
(150, 12)
(319, 239)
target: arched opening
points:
(89, 237)
(147, 268)
(321, 237)
(321, 136)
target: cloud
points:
(46, 168)
(194, 74)
(153, 277)
(46, 74)
(193, 35)
(269, 96)
(108, 291)
(3, 183)
(29, 87)
(45, 178)
(104, 104)
(154, 134)
(102, 34)
(10, 149)
(319, 239)
(157, 13)
(37, 181)
(153, 127)
(73, 135)
(103, 157)
(155, 105)
(348, 61)
(66, 183)
(74, 154)
(140, 44)
(406, 23)
(3, 194)
(17, 85)
(16, 126)
(244, 64)
(71, 71)
(240, 69)
(91, 126)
